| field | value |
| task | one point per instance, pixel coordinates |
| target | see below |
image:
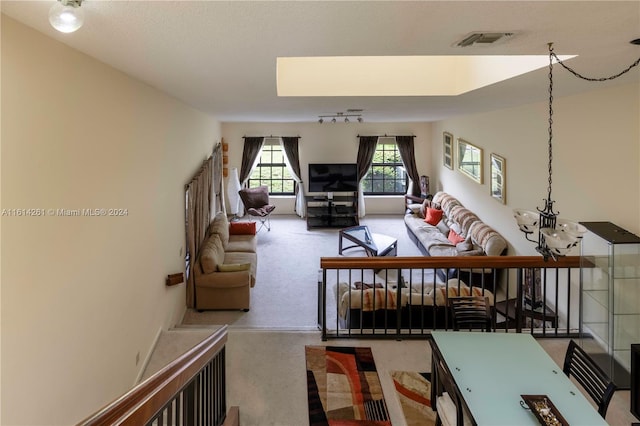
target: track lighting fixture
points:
(66, 16)
(342, 116)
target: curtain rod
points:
(386, 136)
(270, 137)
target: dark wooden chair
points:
(256, 203)
(579, 365)
(470, 312)
(449, 410)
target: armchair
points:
(256, 203)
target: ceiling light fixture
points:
(556, 237)
(342, 116)
(66, 16)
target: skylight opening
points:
(399, 75)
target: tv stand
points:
(339, 212)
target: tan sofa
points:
(478, 238)
(432, 240)
(226, 268)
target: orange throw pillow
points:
(242, 228)
(454, 237)
(433, 216)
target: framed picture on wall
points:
(498, 178)
(469, 160)
(447, 149)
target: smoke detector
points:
(482, 38)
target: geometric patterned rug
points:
(343, 387)
(414, 392)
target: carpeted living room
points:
(268, 347)
(509, 106)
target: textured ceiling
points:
(220, 57)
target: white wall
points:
(596, 160)
(83, 296)
(330, 142)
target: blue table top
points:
(492, 370)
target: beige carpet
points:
(285, 295)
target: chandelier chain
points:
(572, 71)
(550, 121)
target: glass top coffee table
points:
(373, 244)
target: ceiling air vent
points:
(481, 38)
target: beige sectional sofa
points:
(226, 268)
(479, 238)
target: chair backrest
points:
(255, 197)
(470, 312)
(579, 365)
(449, 405)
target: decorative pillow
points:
(456, 228)
(433, 216)
(211, 254)
(465, 245)
(443, 227)
(423, 208)
(242, 228)
(220, 225)
(234, 267)
(454, 237)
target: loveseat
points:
(442, 226)
(226, 267)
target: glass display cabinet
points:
(610, 297)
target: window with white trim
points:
(272, 170)
(387, 175)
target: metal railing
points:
(406, 297)
(189, 391)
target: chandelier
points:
(556, 237)
(353, 113)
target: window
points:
(386, 175)
(272, 170)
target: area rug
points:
(414, 392)
(344, 388)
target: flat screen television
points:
(336, 177)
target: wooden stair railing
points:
(189, 391)
(426, 262)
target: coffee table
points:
(373, 244)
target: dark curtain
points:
(366, 149)
(198, 215)
(252, 147)
(291, 151)
(290, 145)
(407, 153)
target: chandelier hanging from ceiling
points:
(556, 236)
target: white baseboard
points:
(147, 358)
